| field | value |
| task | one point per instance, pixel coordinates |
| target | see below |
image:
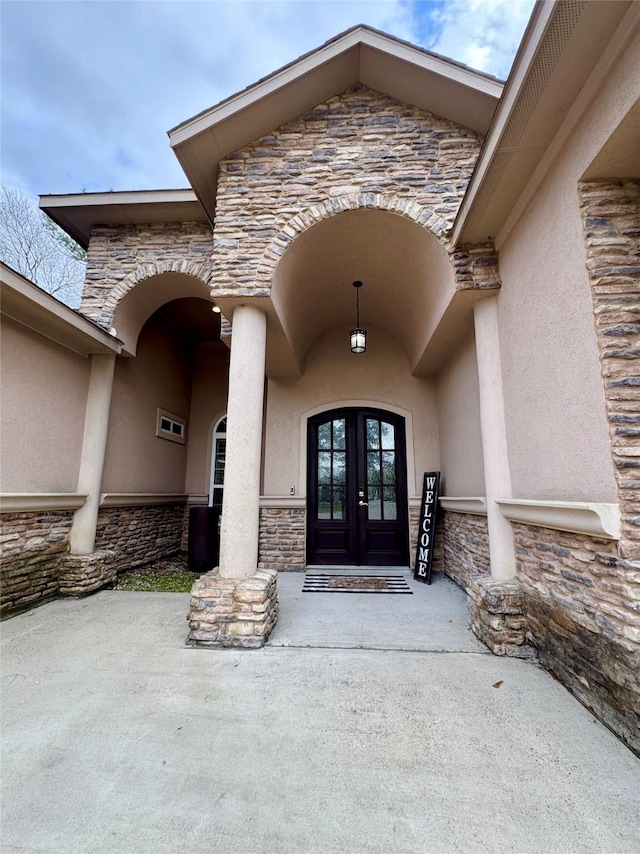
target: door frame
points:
(360, 409)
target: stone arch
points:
(148, 271)
(301, 222)
(147, 289)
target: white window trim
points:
(171, 433)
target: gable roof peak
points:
(361, 54)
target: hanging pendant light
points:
(358, 336)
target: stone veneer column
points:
(241, 508)
(494, 438)
(236, 604)
(611, 221)
(94, 444)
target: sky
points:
(89, 88)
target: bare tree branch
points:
(36, 247)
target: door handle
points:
(363, 503)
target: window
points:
(171, 427)
(218, 457)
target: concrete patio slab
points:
(434, 618)
(116, 738)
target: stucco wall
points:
(458, 399)
(43, 397)
(335, 377)
(159, 376)
(208, 404)
(554, 401)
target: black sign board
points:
(427, 526)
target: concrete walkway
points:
(116, 738)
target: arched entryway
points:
(357, 488)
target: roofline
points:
(26, 303)
(542, 14)
(117, 197)
(157, 205)
(360, 34)
(469, 225)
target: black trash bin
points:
(204, 541)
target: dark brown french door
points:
(357, 489)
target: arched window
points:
(218, 456)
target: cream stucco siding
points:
(554, 401)
(159, 376)
(459, 423)
(334, 377)
(551, 381)
(43, 397)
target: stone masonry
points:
(496, 608)
(232, 612)
(496, 615)
(466, 547)
(121, 256)
(84, 574)
(31, 547)
(611, 220)
(140, 535)
(476, 266)
(583, 615)
(359, 149)
(281, 544)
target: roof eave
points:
(78, 213)
(505, 169)
(36, 309)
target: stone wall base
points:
(31, 547)
(140, 534)
(233, 612)
(84, 574)
(496, 615)
(282, 539)
(465, 538)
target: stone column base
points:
(233, 612)
(496, 615)
(84, 574)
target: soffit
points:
(558, 53)
(32, 307)
(78, 213)
(361, 55)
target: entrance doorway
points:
(357, 489)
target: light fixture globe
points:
(358, 340)
(358, 335)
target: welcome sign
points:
(426, 528)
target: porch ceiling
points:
(408, 281)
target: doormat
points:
(355, 584)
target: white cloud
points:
(90, 88)
(481, 33)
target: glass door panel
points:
(357, 492)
